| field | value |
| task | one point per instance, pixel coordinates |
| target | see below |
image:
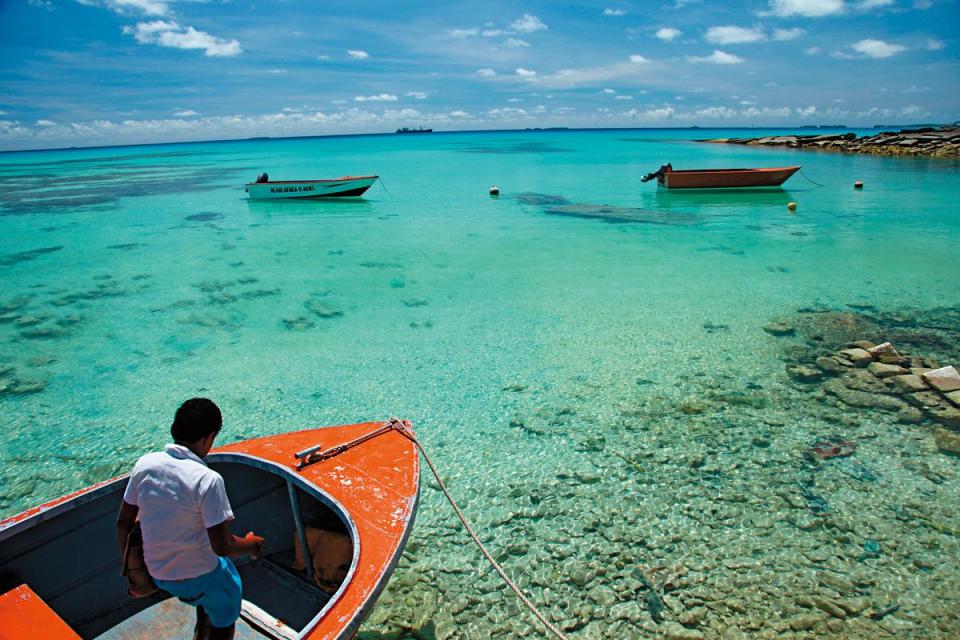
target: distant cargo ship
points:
(420, 130)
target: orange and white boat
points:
(672, 178)
(359, 483)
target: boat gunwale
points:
(747, 169)
(341, 179)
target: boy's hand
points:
(255, 545)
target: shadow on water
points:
(326, 207)
(705, 198)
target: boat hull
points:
(726, 178)
(345, 187)
(371, 491)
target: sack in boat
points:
(139, 582)
(331, 553)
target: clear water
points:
(572, 375)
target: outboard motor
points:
(263, 177)
(659, 172)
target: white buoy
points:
(494, 190)
(858, 185)
(792, 206)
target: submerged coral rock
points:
(944, 379)
(947, 441)
(908, 383)
(859, 357)
(882, 370)
(779, 329)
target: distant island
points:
(936, 142)
(418, 130)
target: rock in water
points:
(943, 379)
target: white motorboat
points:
(347, 186)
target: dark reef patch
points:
(205, 216)
(540, 199)
(11, 259)
(620, 215)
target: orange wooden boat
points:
(672, 178)
(59, 562)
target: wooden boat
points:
(331, 188)
(60, 566)
(672, 178)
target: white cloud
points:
(492, 33)
(459, 114)
(934, 44)
(528, 23)
(525, 73)
(486, 73)
(614, 12)
(873, 4)
(43, 4)
(45, 123)
(805, 8)
(131, 7)
(609, 91)
(171, 34)
(663, 113)
(806, 112)
(717, 57)
(417, 95)
(913, 110)
(276, 72)
(357, 54)
(464, 33)
(812, 51)
(517, 42)
(877, 48)
(323, 57)
(186, 113)
(380, 97)
(637, 59)
(733, 35)
(668, 33)
(788, 34)
(623, 97)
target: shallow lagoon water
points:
(584, 357)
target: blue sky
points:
(95, 72)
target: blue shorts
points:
(219, 592)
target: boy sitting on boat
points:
(185, 516)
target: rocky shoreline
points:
(927, 142)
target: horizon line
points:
(514, 130)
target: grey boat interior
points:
(68, 556)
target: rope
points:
(383, 184)
(813, 181)
(402, 428)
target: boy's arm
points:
(228, 545)
(125, 521)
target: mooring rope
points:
(810, 179)
(402, 428)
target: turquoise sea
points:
(584, 357)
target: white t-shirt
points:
(179, 497)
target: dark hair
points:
(196, 419)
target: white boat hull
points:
(347, 186)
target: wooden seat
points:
(24, 614)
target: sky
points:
(104, 72)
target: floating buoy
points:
(792, 206)
(858, 185)
(494, 191)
